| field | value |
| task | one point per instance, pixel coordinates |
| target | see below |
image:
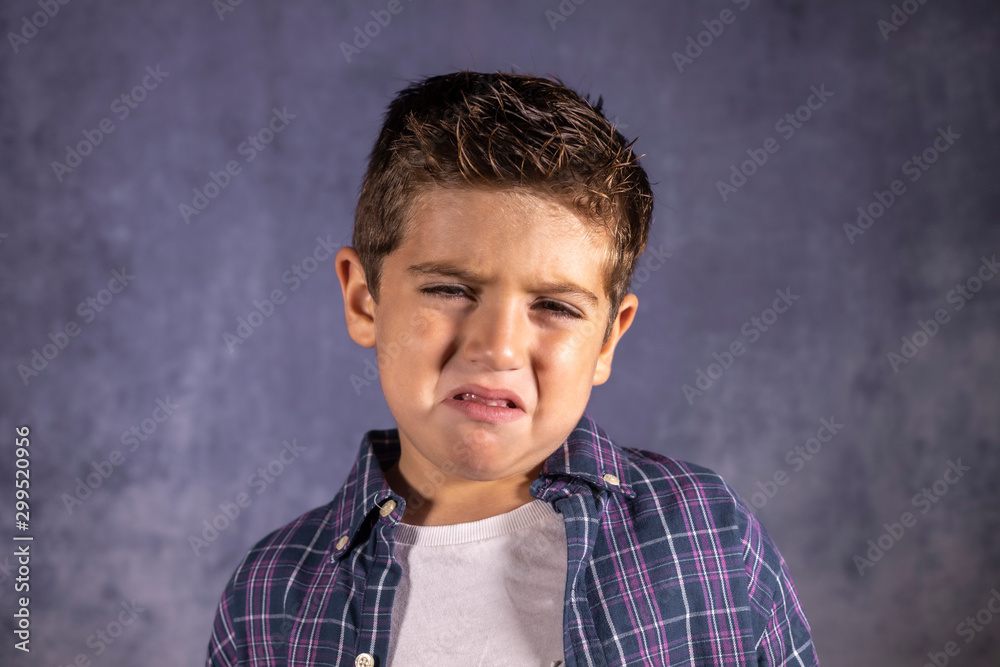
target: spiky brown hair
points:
(504, 131)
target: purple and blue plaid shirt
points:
(667, 566)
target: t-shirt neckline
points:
(473, 531)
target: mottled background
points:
(63, 233)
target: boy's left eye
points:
(456, 291)
(559, 309)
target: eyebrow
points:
(452, 271)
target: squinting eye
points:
(444, 290)
(559, 310)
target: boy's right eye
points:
(445, 290)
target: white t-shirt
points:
(487, 592)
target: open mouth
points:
(499, 403)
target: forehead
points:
(479, 223)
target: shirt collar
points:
(587, 454)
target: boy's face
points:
(500, 289)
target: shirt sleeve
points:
(780, 625)
(222, 645)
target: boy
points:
(495, 237)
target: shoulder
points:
(669, 482)
(253, 602)
(704, 516)
(697, 503)
(291, 553)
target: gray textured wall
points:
(63, 232)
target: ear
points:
(359, 306)
(626, 313)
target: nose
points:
(496, 335)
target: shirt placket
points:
(576, 502)
(384, 575)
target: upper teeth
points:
(479, 399)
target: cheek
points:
(410, 340)
(569, 354)
(584, 340)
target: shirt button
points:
(364, 660)
(342, 542)
(611, 479)
(387, 509)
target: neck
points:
(459, 500)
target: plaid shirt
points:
(666, 566)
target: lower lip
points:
(494, 414)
